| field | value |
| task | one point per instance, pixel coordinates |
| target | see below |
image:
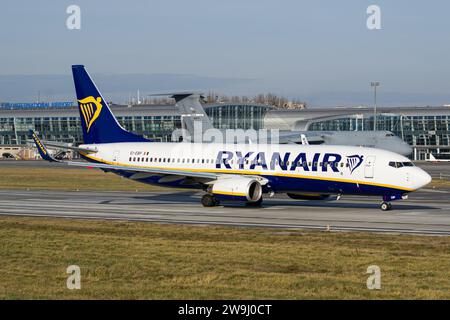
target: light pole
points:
(375, 84)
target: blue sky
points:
(320, 51)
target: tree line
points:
(269, 99)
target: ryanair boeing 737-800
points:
(236, 172)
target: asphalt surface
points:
(425, 212)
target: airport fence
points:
(444, 176)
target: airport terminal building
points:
(426, 129)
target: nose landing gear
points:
(386, 206)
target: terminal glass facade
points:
(68, 129)
(237, 116)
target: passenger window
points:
(130, 158)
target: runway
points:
(426, 212)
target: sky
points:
(319, 51)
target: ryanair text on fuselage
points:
(287, 161)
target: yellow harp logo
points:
(90, 109)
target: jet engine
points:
(238, 189)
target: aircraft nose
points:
(423, 178)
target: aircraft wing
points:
(296, 137)
(174, 172)
(182, 173)
(186, 173)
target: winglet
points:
(41, 148)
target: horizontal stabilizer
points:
(179, 95)
(41, 148)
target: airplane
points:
(193, 116)
(235, 173)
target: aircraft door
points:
(369, 167)
(116, 154)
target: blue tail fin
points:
(98, 123)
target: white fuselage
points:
(289, 168)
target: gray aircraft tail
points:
(194, 119)
(192, 113)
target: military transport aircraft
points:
(194, 117)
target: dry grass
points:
(63, 178)
(439, 184)
(143, 260)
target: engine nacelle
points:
(238, 189)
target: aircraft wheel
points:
(385, 206)
(208, 200)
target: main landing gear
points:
(256, 203)
(386, 206)
(208, 200)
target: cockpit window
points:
(408, 164)
(395, 164)
(389, 134)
